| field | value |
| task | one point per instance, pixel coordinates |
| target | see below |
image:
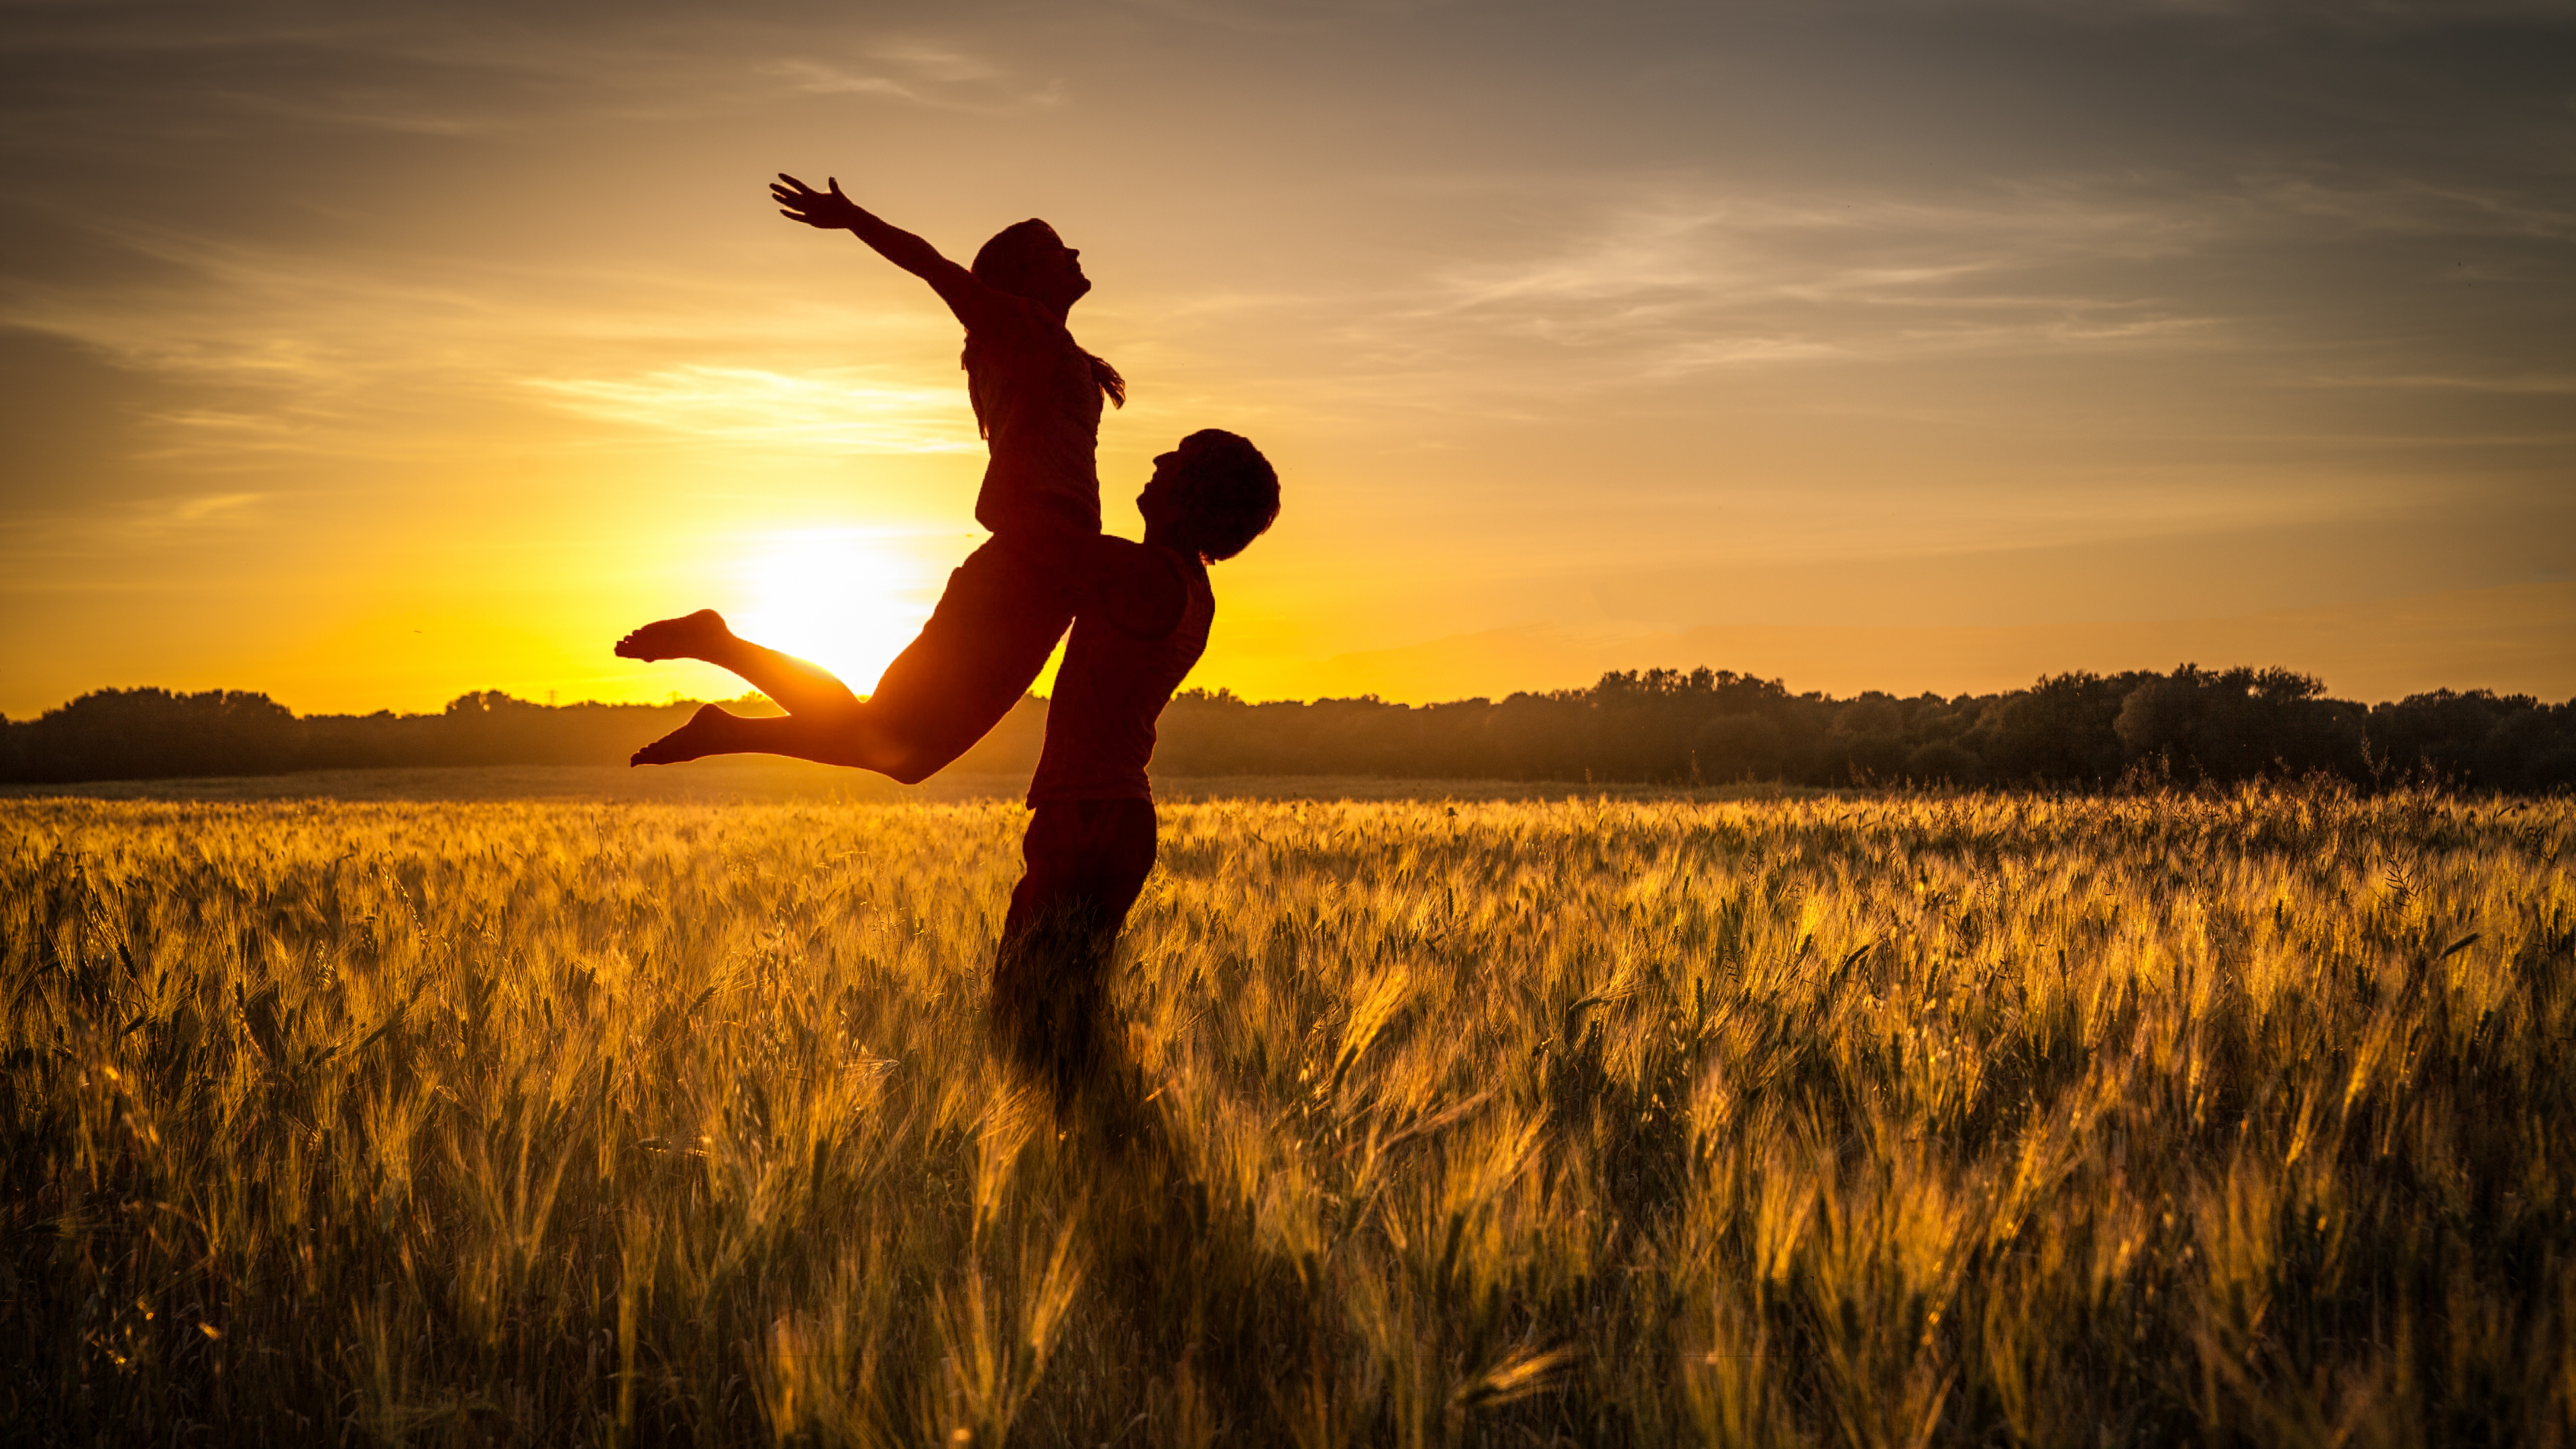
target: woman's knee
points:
(915, 756)
(862, 739)
(909, 767)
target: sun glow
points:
(848, 599)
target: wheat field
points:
(1913, 1120)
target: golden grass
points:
(1916, 1121)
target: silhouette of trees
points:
(1738, 747)
(1944, 762)
(2238, 724)
(2067, 731)
(2057, 732)
(146, 734)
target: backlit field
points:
(1956, 1121)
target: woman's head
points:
(1214, 493)
(1027, 259)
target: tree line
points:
(1659, 726)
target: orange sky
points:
(369, 357)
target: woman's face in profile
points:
(1057, 269)
(1042, 268)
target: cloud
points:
(277, 350)
(1649, 281)
(837, 410)
(2416, 206)
(2263, 15)
(925, 76)
(52, 545)
(1674, 279)
(2541, 385)
(213, 507)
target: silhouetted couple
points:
(1139, 613)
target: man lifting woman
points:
(1139, 611)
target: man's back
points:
(1145, 625)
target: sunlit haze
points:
(840, 597)
(369, 355)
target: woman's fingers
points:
(800, 202)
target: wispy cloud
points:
(1669, 281)
(277, 352)
(924, 76)
(74, 531)
(213, 507)
(2266, 15)
(2538, 384)
(837, 410)
(1657, 280)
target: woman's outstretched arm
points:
(832, 211)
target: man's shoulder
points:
(1146, 588)
(1180, 566)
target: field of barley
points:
(1944, 1120)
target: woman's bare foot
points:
(704, 734)
(691, 636)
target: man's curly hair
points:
(1228, 492)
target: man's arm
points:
(970, 299)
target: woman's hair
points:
(1003, 265)
(1228, 491)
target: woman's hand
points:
(829, 210)
(832, 211)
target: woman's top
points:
(1038, 403)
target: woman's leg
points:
(800, 686)
(851, 739)
(977, 655)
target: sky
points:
(364, 355)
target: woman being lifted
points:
(1037, 400)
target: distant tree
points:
(1877, 758)
(1737, 747)
(2237, 724)
(1871, 714)
(147, 734)
(2057, 732)
(2440, 734)
(2530, 748)
(1944, 763)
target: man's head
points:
(1213, 494)
(1027, 259)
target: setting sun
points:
(848, 599)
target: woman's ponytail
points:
(1112, 386)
